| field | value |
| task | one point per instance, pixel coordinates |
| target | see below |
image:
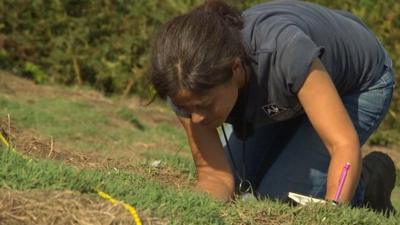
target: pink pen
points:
(341, 181)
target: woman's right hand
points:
(213, 169)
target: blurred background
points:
(104, 44)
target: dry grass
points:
(27, 143)
(58, 207)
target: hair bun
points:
(230, 15)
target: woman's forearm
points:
(339, 157)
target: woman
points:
(302, 85)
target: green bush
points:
(105, 43)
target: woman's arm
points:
(327, 114)
(213, 169)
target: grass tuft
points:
(129, 116)
(178, 206)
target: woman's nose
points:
(197, 118)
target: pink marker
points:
(342, 180)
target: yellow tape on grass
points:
(128, 207)
(5, 142)
(104, 195)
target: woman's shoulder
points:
(264, 23)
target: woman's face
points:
(213, 107)
(210, 109)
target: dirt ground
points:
(66, 207)
(32, 143)
(26, 142)
(63, 207)
(55, 207)
(58, 207)
(18, 86)
(393, 152)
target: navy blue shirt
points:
(282, 38)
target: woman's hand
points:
(327, 114)
(213, 169)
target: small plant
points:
(35, 72)
(128, 115)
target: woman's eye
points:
(206, 105)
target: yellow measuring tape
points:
(128, 207)
(104, 195)
(5, 142)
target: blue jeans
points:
(289, 156)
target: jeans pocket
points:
(385, 81)
(368, 108)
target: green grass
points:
(128, 115)
(49, 115)
(396, 198)
(171, 134)
(396, 192)
(179, 206)
(58, 118)
(85, 126)
(180, 163)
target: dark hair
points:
(195, 51)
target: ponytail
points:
(229, 14)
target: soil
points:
(26, 142)
(31, 207)
(57, 207)
(66, 207)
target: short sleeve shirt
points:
(282, 38)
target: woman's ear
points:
(238, 73)
(236, 65)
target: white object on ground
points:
(246, 196)
(155, 163)
(304, 200)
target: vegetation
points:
(19, 173)
(105, 43)
(123, 161)
(177, 206)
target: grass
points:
(177, 206)
(86, 126)
(180, 207)
(83, 127)
(182, 164)
(396, 198)
(396, 192)
(128, 115)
